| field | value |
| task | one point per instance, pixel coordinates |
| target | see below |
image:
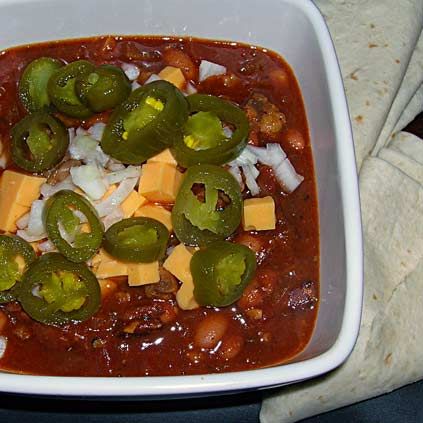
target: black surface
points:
(401, 406)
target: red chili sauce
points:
(274, 319)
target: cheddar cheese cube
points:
(18, 188)
(259, 214)
(164, 157)
(159, 182)
(132, 202)
(17, 193)
(178, 263)
(156, 212)
(174, 76)
(110, 269)
(143, 273)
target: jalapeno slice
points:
(104, 88)
(33, 83)
(145, 124)
(204, 139)
(221, 272)
(39, 142)
(213, 213)
(57, 291)
(62, 89)
(138, 239)
(62, 225)
(15, 256)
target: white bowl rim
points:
(174, 386)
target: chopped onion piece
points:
(22, 222)
(245, 158)
(227, 131)
(80, 131)
(190, 89)
(208, 69)
(96, 131)
(36, 222)
(113, 217)
(131, 71)
(87, 149)
(236, 173)
(135, 86)
(64, 234)
(108, 206)
(275, 153)
(250, 179)
(153, 77)
(114, 165)
(3, 345)
(3, 162)
(46, 246)
(30, 238)
(287, 176)
(90, 179)
(48, 190)
(120, 175)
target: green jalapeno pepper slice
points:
(104, 88)
(137, 239)
(221, 272)
(145, 124)
(198, 222)
(61, 89)
(61, 222)
(57, 291)
(39, 142)
(33, 83)
(204, 140)
(15, 256)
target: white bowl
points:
(296, 30)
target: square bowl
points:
(296, 30)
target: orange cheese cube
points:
(159, 182)
(156, 212)
(18, 188)
(9, 214)
(259, 214)
(143, 273)
(164, 157)
(178, 263)
(109, 269)
(132, 203)
(174, 76)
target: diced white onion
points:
(227, 131)
(153, 77)
(46, 246)
(108, 205)
(236, 173)
(90, 179)
(87, 149)
(120, 175)
(3, 161)
(22, 222)
(287, 176)
(250, 180)
(208, 69)
(80, 131)
(35, 221)
(114, 166)
(48, 190)
(275, 153)
(245, 158)
(113, 217)
(135, 85)
(30, 238)
(96, 131)
(64, 234)
(190, 89)
(3, 345)
(131, 71)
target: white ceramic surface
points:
(295, 29)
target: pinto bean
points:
(279, 77)
(211, 330)
(231, 347)
(294, 138)
(252, 297)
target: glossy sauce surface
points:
(274, 319)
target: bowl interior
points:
(279, 25)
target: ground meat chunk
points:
(165, 288)
(264, 118)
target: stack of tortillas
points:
(380, 49)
